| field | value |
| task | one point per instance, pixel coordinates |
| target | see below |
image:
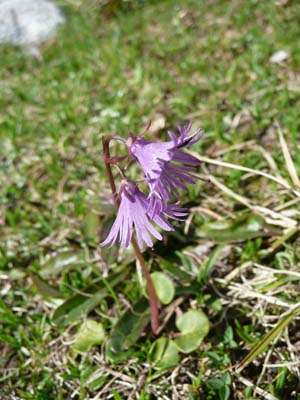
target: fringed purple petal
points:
(173, 137)
(187, 141)
(180, 156)
(163, 223)
(114, 232)
(174, 211)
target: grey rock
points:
(28, 23)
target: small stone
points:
(279, 57)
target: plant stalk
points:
(154, 313)
(153, 301)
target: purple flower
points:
(133, 214)
(161, 164)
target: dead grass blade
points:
(287, 157)
(259, 391)
(271, 217)
(280, 180)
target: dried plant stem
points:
(154, 313)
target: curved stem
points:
(106, 157)
(154, 313)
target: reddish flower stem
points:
(154, 313)
(106, 157)
(153, 302)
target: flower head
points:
(133, 214)
(161, 164)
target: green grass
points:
(163, 60)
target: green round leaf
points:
(164, 354)
(164, 287)
(194, 326)
(89, 334)
(216, 383)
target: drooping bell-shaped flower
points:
(166, 167)
(133, 215)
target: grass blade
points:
(268, 338)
